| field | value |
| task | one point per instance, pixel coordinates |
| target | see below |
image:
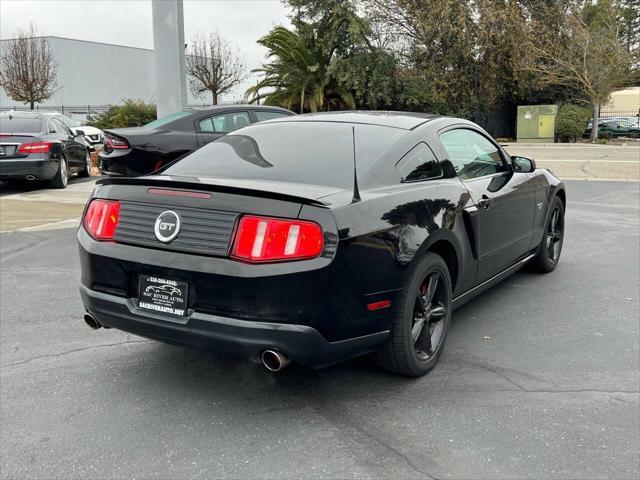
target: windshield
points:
(317, 153)
(161, 122)
(11, 124)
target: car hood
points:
(89, 130)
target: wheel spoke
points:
(417, 328)
(438, 313)
(423, 341)
(421, 303)
(554, 220)
(433, 285)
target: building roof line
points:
(86, 41)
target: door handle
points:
(485, 202)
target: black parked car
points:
(280, 246)
(39, 146)
(140, 150)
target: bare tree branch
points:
(28, 70)
(214, 66)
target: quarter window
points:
(261, 115)
(419, 164)
(226, 123)
(471, 154)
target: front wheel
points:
(86, 171)
(61, 178)
(421, 324)
(550, 247)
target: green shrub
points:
(602, 141)
(572, 121)
(132, 113)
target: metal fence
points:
(607, 113)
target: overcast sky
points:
(129, 23)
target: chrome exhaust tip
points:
(30, 177)
(91, 321)
(274, 361)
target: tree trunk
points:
(214, 99)
(594, 123)
(32, 105)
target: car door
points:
(74, 150)
(504, 201)
(214, 126)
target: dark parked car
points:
(281, 246)
(140, 150)
(39, 146)
(616, 128)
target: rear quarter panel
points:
(384, 234)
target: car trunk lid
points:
(10, 144)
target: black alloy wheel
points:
(554, 234)
(429, 311)
(421, 323)
(550, 247)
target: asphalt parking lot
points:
(540, 378)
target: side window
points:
(419, 164)
(206, 125)
(60, 127)
(263, 115)
(227, 122)
(471, 154)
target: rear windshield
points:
(161, 122)
(10, 124)
(316, 153)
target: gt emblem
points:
(167, 226)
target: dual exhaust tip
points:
(273, 360)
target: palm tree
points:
(299, 74)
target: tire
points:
(61, 177)
(422, 318)
(550, 247)
(86, 171)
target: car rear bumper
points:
(229, 336)
(21, 168)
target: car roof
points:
(234, 106)
(402, 120)
(27, 114)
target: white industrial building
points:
(98, 74)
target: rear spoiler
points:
(208, 187)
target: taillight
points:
(265, 239)
(114, 143)
(101, 218)
(35, 147)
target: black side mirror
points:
(79, 133)
(523, 165)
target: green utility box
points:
(537, 123)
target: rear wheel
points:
(551, 245)
(60, 179)
(86, 171)
(422, 320)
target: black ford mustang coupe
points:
(317, 238)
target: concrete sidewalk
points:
(43, 209)
(579, 161)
